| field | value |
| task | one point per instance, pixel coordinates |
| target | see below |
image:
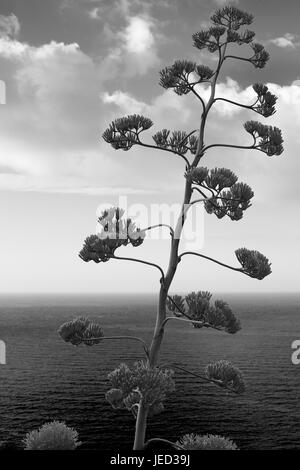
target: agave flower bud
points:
(254, 263)
(116, 231)
(193, 142)
(198, 304)
(55, 435)
(132, 399)
(270, 138)
(244, 38)
(260, 57)
(205, 40)
(231, 17)
(176, 76)
(221, 316)
(156, 409)
(177, 305)
(123, 132)
(152, 385)
(178, 142)
(204, 72)
(227, 375)
(266, 100)
(206, 442)
(197, 175)
(81, 330)
(115, 397)
(220, 178)
(161, 138)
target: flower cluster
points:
(177, 76)
(124, 132)
(196, 306)
(81, 331)
(197, 175)
(178, 141)
(231, 17)
(220, 178)
(254, 263)
(209, 39)
(240, 38)
(260, 56)
(270, 138)
(140, 383)
(115, 232)
(227, 196)
(266, 100)
(232, 203)
(226, 375)
(228, 19)
(206, 442)
(52, 436)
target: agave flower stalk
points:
(143, 387)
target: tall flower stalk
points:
(142, 388)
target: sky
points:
(72, 66)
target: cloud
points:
(288, 40)
(135, 50)
(163, 109)
(222, 3)
(138, 36)
(9, 26)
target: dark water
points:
(46, 379)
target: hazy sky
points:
(70, 67)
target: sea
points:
(46, 379)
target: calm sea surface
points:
(47, 379)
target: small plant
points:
(52, 436)
(143, 387)
(207, 442)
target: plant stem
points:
(166, 281)
(136, 260)
(164, 441)
(213, 260)
(140, 427)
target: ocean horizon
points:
(46, 379)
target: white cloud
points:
(138, 36)
(95, 13)
(288, 40)
(161, 109)
(9, 26)
(222, 3)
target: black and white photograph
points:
(149, 207)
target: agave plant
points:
(143, 388)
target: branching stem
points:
(211, 259)
(133, 338)
(160, 225)
(202, 377)
(136, 260)
(164, 441)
